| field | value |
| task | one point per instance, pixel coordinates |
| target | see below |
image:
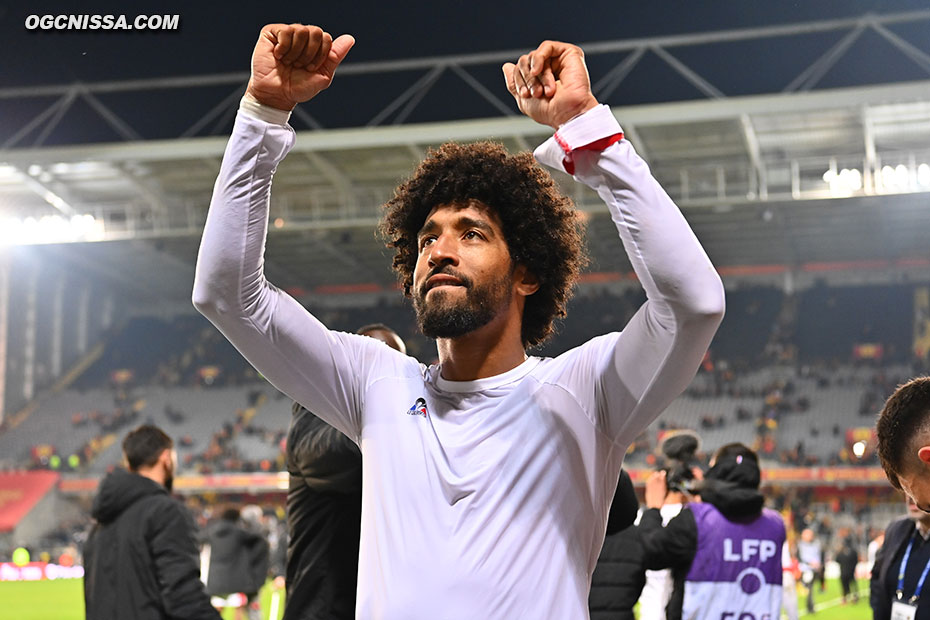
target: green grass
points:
(828, 604)
(64, 600)
(42, 600)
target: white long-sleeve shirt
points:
(487, 498)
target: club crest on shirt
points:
(419, 408)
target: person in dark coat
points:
(324, 512)
(913, 530)
(239, 558)
(847, 557)
(140, 558)
(619, 575)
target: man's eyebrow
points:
(470, 222)
(429, 227)
(461, 222)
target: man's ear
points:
(165, 457)
(924, 454)
(525, 281)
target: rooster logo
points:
(419, 408)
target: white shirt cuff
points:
(595, 124)
(251, 106)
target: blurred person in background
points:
(324, 511)
(878, 539)
(901, 567)
(619, 575)
(848, 558)
(239, 557)
(725, 551)
(789, 585)
(810, 563)
(141, 557)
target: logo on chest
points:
(419, 408)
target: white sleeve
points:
(655, 357)
(323, 370)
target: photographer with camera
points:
(682, 471)
(725, 550)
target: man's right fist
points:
(292, 63)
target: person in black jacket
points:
(239, 558)
(324, 512)
(619, 575)
(848, 557)
(140, 558)
(912, 531)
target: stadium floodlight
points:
(859, 449)
(888, 177)
(844, 183)
(50, 229)
(900, 175)
(923, 175)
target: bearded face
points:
(449, 304)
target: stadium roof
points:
(788, 142)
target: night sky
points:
(218, 38)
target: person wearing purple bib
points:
(725, 550)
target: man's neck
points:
(152, 473)
(488, 351)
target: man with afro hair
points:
(488, 477)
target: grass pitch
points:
(64, 600)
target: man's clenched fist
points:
(551, 83)
(292, 63)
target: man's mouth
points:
(442, 279)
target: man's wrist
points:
(271, 101)
(590, 104)
(262, 111)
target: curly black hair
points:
(904, 419)
(539, 222)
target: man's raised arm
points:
(290, 64)
(659, 351)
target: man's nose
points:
(443, 251)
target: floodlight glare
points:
(851, 178)
(50, 229)
(859, 449)
(888, 178)
(900, 175)
(848, 180)
(923, 175)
